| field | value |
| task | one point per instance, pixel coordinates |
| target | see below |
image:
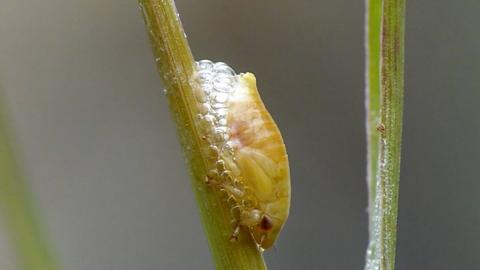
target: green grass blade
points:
(33, 251)
(384, 102)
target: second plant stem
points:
(385, 64)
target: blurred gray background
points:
(107, 173)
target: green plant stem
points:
(372, 98)
(176, 67)
(33, 251)
(384, 102)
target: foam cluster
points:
(217, 82)
(217, 85)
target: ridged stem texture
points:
(176, 66)
(385, 32)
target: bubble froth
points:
(217, 83)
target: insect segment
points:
(248, 159)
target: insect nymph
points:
(248, 157)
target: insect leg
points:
(235, 233)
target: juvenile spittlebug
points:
(248, 157)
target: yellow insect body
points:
(251, 160)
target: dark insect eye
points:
(266, 223)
